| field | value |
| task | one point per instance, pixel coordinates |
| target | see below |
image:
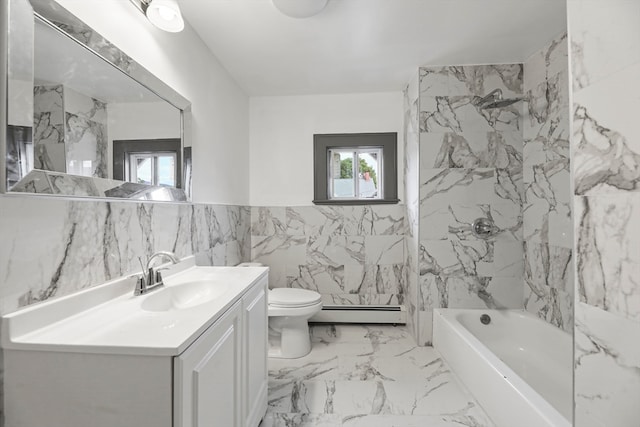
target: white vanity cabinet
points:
(255, 346)
(221, 379)
(217, 379)
(208, 376)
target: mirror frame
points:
(54, 15)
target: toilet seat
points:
(293, 298)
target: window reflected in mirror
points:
(153, 169)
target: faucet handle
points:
(144, 273)
(141, 286)
(159, 274)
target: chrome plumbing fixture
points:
(484, 228)
(152, 279)
(493, 100)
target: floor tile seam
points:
(403, 381)
(344, 415)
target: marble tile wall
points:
(53, 247)
(85, 123)
(470, 167)
(48, 125)
(349, 254)
(605, 57)
(411, 178)
(70, 132)
(547, 224)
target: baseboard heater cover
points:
(396, 314)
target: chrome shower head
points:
(500, 103)
(493, 100)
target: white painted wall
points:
(220, 108)
(281, 138)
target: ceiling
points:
(367, 45)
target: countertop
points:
(108, 319)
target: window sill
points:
(357, 202)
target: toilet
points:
(289, 311)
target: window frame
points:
(122, 149)
(132, 171)
(387, 141)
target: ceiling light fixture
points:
(299, 8)
(164, 14)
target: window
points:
(354, 169)
(152, 162)
(153, 168)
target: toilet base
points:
(293, 340)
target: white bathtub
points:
(518, 367)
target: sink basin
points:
(183, 296)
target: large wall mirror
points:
(84, 119)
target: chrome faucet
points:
(152, 279)
(484, 228)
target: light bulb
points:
(166, 13)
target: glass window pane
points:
(167, 170)
(343, 183)
(144, 170)
(369, 174)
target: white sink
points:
(184, 295)
(109, 319)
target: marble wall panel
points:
(79, 244)
(411, 179)
(349, 254)
(70, 132)
(605, 56)
(604, 39)
(86, 139)
(335, 250)
(441, 221)
(442, 114)
(471, 166)
(547, 207)
(48, 125)
(606, 138)
(471, 80)
(471, 150)
(441, 187)
(608, 259)
(548, 284)
(607, 369)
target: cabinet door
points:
(255, 354)
(208, 376)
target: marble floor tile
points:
(280, 398)
(469, 419)
(405, 366)
(439, 395)
(301, 420)
(368, 375)
(322, 366)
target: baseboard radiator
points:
(396, 314)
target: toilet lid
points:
(289, 297)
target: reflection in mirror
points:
(80, 124)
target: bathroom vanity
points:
(191, 354)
